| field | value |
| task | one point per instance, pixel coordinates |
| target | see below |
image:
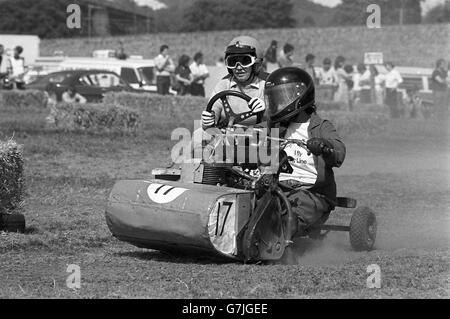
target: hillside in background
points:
(408, 45)
(305, 13)
(309, 14)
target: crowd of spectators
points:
(340, 81)
(377, 85)
(185, 78)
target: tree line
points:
(46, 18)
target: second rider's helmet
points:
(287, 92)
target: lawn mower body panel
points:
(169, 215)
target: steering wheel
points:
(231, 117)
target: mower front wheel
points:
(363, 229)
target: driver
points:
(243, 59)
(290, 99)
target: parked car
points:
(92, 84)
(139, 73)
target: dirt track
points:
(404, 178)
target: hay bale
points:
(11, 175)
(20, 100)
(156, 103)
(161, 112)
(96, 118)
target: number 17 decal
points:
(222, 225)
(227, 206)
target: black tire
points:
(363, 229)
(12, 223)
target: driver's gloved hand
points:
(318, 146)
(208, 119)
(257, 105)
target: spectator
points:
(376, 85)
(310, 59)
(342, 93)
(270, 57)
(392, 80)
(327, 75)
(120, 52)
(3, 69)
(327, 78)
(413, 103)
(439, 87)
(200, 73)
(183, 76)
(72, 96)
(361, 87)
(220, 62)
(350, 85)
(16, 68)
(164, 69)
(286, 54)
(52, 100)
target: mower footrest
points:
(345, 202)
(335, 228)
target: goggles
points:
(244, 60)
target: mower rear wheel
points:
(12, 222)
(363, 229)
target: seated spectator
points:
(183, 76)
(72, 96)
(413, 104)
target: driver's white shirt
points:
(304, 169)
(238, 105)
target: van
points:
(139, 73)
(415, 78)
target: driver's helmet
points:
(244, 50)
(288, 91)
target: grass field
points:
(402, 173)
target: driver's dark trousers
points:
(309, 207)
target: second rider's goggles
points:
(245, 60)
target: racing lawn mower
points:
(223, 206)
